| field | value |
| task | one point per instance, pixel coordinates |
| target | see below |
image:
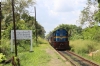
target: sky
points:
(52, 13)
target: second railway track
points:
(76, 60)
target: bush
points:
(5, 46)
(42, 41)
(2, 57)
(83, 46)
(97, 36)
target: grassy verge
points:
(85, 47)
(38, 57)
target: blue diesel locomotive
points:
(59, 39)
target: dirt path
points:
(56, 59)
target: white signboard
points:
(21, 34)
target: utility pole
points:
(0, 24)
(35, 24)
(14, 28)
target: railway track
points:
(76, 60)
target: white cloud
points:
(62, 6)
(56, 7)
(66, 5)
(51, 13)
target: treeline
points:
(87, 17)
(90, 16)
(24, 21)
(75, 32)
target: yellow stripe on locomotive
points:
(61, 37)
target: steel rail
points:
(67, 58)
(94, 64)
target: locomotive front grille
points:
(61, 44)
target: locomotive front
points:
(61, 39)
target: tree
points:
(30, 22)
(73, 30)
(20, 8)
(22, 17)
(99, 3)
(87, 14)
(97, 14)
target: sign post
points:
(35, 24)
(14, 27)
(21, 34)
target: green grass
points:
(5, 46)
(84, 47)
(38, 57)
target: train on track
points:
(59, 39)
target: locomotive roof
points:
(55, 31)
(59, 29)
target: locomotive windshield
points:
(61, 35)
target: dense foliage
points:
(87, 48)
(73, 31)
(91, 18)
(90, 14)
(23, 20)
(2, 57)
